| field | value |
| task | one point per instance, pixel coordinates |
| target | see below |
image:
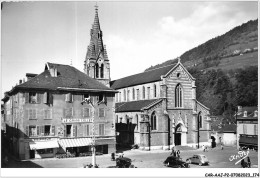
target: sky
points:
(137, 35)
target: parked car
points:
(198, 159)
(124, 162)
(176, 162)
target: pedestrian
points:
(173, 151)
(206, 149)
(248, 162)
(178, 153)
(222, 146)
(203, 148)
(242, 163)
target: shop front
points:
(43, 148)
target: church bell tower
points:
(96, 64)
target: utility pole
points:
(93, 149)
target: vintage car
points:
(124, 162)
(176, 162)
(198, 159)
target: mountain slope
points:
(241, 39)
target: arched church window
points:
(97, 70)
(143, 92)
(178, 96)
(200, 120)
(124, 95)
(102, 71)
(133, 92)
(137, 121)
(153, 121)
(154, 90)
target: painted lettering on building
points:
(73, 120)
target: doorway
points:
(32, 154)
(177, 136)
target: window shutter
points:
(26, 97)
(27, 131)
(67, 97)
(71, 97)
(42, 130)
(38, 130)
(38, 96)
(53, 130)
(87, 130)
(65, 131)
(50, 98)
(45, 97)
(74, 131)
(84, 130)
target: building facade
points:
(247, 127)
(48, 114)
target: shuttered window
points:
(53, 131)
(86, 130)
(69, 97)
(47, 98)
(32, 114)
(74, 131)
(47, 113)
(32, 130)
(101, 112)
(101, 129)
(86, 112)
(34, 98)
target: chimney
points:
(20, 82)
(23, 80)
(53, 72)
(30, 76)
(255, 113)
(245, 114)
(239, 109)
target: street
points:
(144, 159)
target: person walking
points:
(178, 153)
(248, 162)
(173, 152)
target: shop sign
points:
(76, 120)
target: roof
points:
(229, 128)
(250, 112)
(141, 78)
(135, 105)
(68, 78)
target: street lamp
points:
(93, 149)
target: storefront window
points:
(45, 151)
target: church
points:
(155, 109)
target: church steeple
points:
(96, 62)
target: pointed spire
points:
(96, 25)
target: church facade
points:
(156, 109)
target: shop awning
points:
(75, 142)
(37, 145)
